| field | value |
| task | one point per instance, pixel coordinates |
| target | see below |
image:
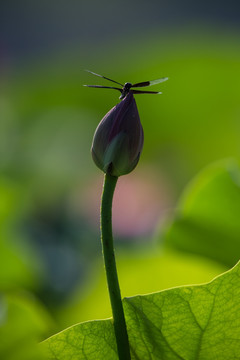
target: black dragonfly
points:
(127, 87)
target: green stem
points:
(111, 269)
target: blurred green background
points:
(51, 271)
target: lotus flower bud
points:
(118, 139)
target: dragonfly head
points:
(125, 90)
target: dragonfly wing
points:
(145, 92)
(104, 87)
(103, 77)
(149, 83)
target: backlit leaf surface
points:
(191, 322)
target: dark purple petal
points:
(118, 139)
